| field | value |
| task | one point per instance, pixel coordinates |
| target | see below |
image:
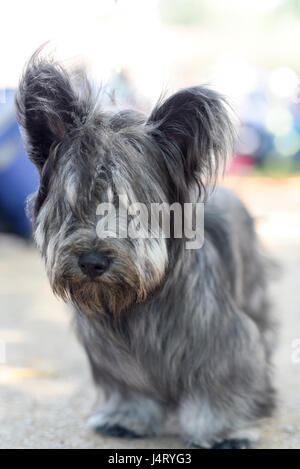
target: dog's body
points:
(171, 353)
(166, 329)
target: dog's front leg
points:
(205, 426)
(122, 416)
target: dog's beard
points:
(99, 297)
(112, 293)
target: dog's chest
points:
(135, 352)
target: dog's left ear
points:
(195, 134)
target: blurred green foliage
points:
(275, 167)
(195, 12)
(292, 6)
(262, 32)
(185, 12)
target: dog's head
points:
(89, 160)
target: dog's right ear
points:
(47, 107)
(194, 131)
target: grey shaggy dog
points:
(167, 331)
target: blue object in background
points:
(18, 176)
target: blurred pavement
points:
(46, 392)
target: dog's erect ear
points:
(195, 133)
(47, 107)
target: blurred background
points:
(138, 49)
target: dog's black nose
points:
(93, 264)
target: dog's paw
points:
(228, 444)
(135, 418)
(233, 444)
(116, 431)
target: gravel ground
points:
(46, 392)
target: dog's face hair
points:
(85, 156)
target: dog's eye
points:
(101, 172)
